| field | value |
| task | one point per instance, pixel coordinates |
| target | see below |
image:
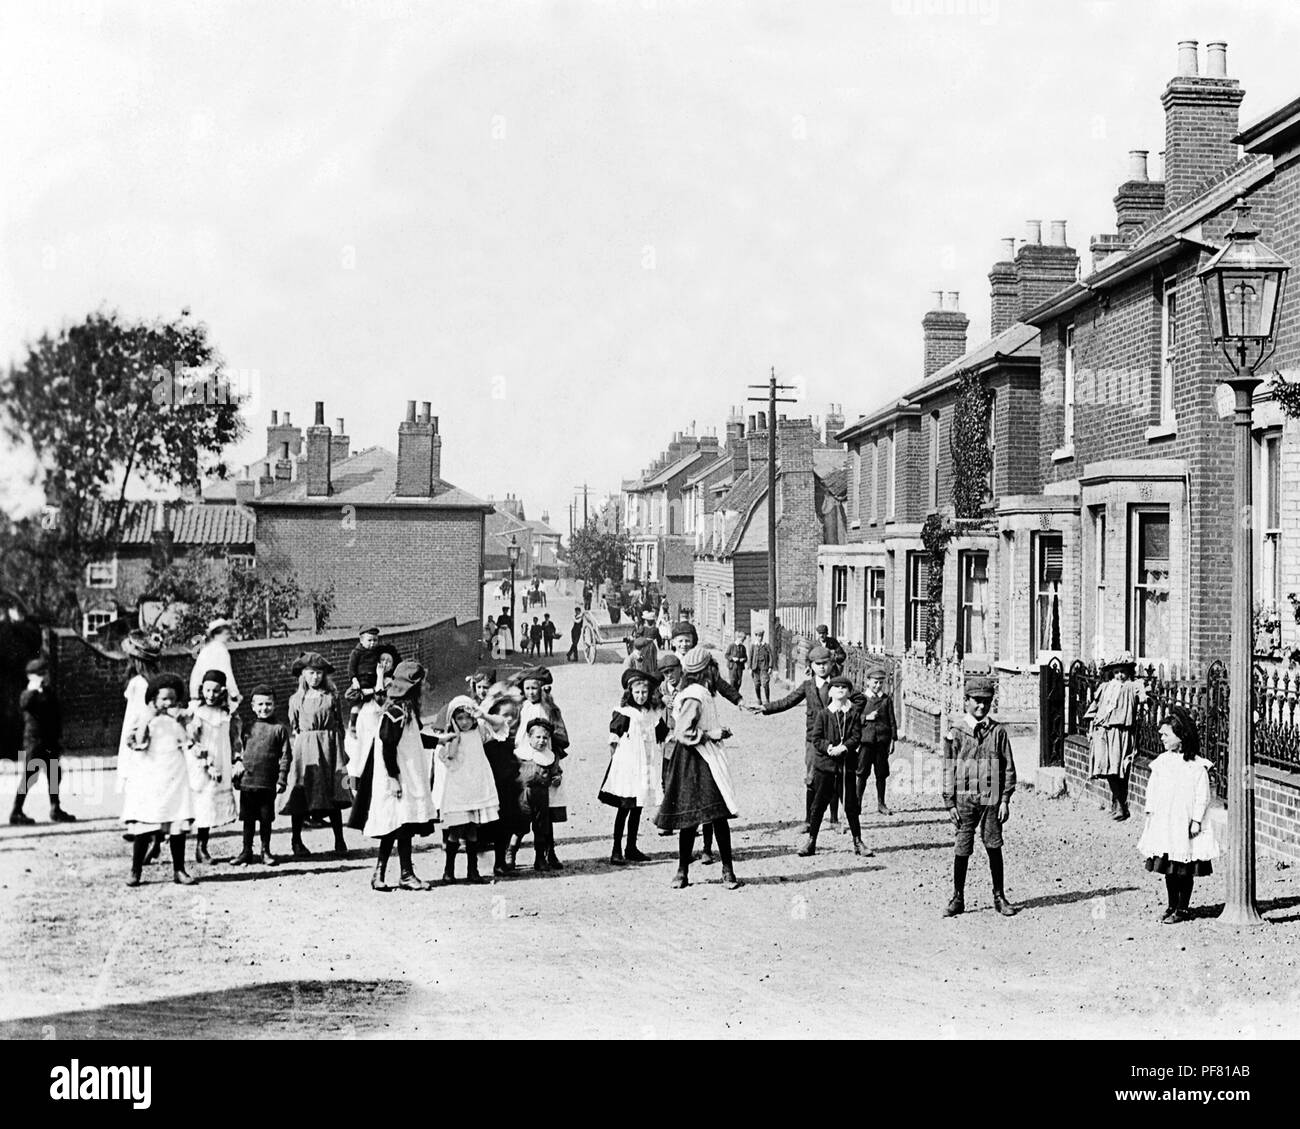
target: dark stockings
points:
(178, 853)
(1178, 888)
(708, 839)
(404, 853)
(959, 865)
(139, 849)
(620, 822)
(250, 826)
(385, 853)
(995, 868)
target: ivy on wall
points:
(972, 459)
(936, 533)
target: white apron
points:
(137, 709)
(158, 793)
(214, 800)
(712, 751)
(636, 767)
(387, 813)
(464, 789)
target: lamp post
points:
(512, 553)
(1242, 286)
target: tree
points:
(193, 591)
(102, 403)
(596, 554)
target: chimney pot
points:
(1034, 231)
(954, 299)
(410, 411)
(1009, 249)
(1188, 57)
(340, 428)
(320, 413)
(275, 418)
(753, 423)
(434, 420)
(426, 410)
(1058, 233)
(1216, 59)
(1137, 164)
(938, 299)
(286, 419)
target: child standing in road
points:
(879, 732)
(261, 772)
(316, 786)
(157, 795)
(1177, 839)
(836, 736)
(209, 729)
(979, 777)
(42, 742)
(632, 780)
(536, 766)
(736, 657)
(464, 790)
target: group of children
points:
(539, 639)
(489, 769)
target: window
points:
(1268, 452)
(872, 501)
(875, 609)
(95, 621)
(918, 589)
(839, 599)
(972, 612)
(1168, 352)
(1148, 619)
(855, 486)
(934, 461)
(1099, 580)
(242, 560)
(1067, 439)
(1045, 607)
(102, 574)
(891, 474)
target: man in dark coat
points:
(879, 732)
(575, 636)
(827, 640)
(814, 695)
(760, 667)
(737, 656)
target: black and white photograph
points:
(651, 521)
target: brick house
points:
(399, 543)
(655, 518)
(539, 544)
(731, 555)
(114, 593)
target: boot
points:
(511, 852)
(956, 905)
(472, 876)
(136, 877)
(409, 881)
(1002, 906)
(155, 850)
(377, 879)
(268, 859)
(58, 815)
(861, 849)
(553, 863)
(1123, 813)
(201, 851)
(449, 867)
(180, 875)
(680, 880)
(883, 809)
(616, 856)
(539, 861)
(1114, 808)
(298, 849)
(808, 847)
(634, 855)
(18, 817)
(729, 879)
(243, 858)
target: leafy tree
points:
(193, 591)
(104, 402)
(596, 554)
(972, 460)
(323, 603)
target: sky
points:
(575, 228)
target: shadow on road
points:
(306, 1008)
(1077, 896)
(810, 876)
(1209, 912)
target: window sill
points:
(1162, 431)
(1063, 454)
(855, 525)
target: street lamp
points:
(1242, 286)
(512, 553)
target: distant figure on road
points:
(760, 668)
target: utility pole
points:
(772, 399)
(583, 488)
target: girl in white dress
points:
(158, 796)
(464, 789)
(632, 781)
(1177, 839)
(143, 653)
(393, 800)
(209, 729)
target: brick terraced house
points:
(400, 544)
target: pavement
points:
(827, 946)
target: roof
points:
(664, 476)
(197, 524)
(369, 478)
(1271, 132)
(542, 528)
(837, 484)
(711, 467)
(1171, 235)
(828, 460)
(1018, 343)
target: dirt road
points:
(827, 946)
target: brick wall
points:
(1017, 415)
(1277, 799)
(386, 566)
(90, 681)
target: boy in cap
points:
(827, 640)
(979, 777)
(575, 636)
(261, 773)
(836, 736)
(814, 694)
(737, 656)
(879, 732)
(549, 633)
(42, 743)
(760, 668)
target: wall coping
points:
(1109, 470)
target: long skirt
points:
(382, 815)
(505, 771)
(691, 794)
(1198, 868)
(318, 784)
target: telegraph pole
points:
(771, 399)
(583, 488)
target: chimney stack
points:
(284, 465)
(1140, 200)
(415, 453)
(245, 490)
(318, 455)
(1201, 119)
(1042, 271)
(340, 444)
(282, 431)
(735, 430)
(1002, 289)
(944, 333)
(834, 423)
(275, 417)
